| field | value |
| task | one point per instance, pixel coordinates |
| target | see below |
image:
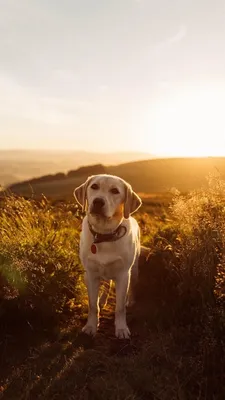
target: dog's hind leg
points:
(105, 294)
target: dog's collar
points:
(120, 232)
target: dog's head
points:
(107, 197)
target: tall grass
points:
(200, 219)
(39, 264)
(186, 260)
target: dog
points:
(109, 245)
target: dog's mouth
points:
(97, 211)
(100, 212)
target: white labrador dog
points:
(109, 245)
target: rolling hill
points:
(20, 165)
(147, 176)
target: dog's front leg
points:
(92, 283)
(133, 282)
(122, 284)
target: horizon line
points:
(151, 156)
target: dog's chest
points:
(107, 259)
(105, 262)
(109, 271)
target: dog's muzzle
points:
(98, 206)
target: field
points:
(178, 323)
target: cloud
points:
(178, 36)
(170, 41)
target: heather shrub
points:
(199, 216)
(39, 265)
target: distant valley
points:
(20, 165)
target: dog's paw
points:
(122, 332)
(90, 329)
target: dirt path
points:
(32, 356)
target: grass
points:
(38, 253)
(178, 323)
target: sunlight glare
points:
(191, 123)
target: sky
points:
(113, 75)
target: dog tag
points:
(93, 248)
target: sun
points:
(188, 124)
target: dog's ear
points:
(132, 201)
(80, 193)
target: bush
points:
(39, 265)
(199, 216)
(185, 266)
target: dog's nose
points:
(98, 203)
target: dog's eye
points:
(114, 191)
(94, 186)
